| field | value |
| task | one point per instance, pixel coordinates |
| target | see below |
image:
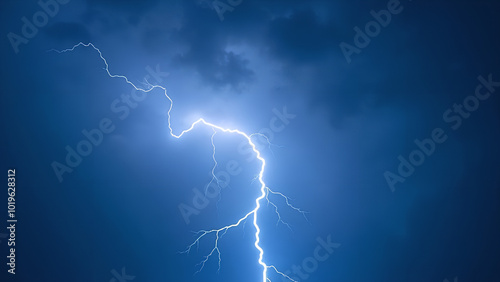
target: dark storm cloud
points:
(131, 9)
(205, 49)
(68, 32)
(129, 6)
(300, 37)
(218, 68)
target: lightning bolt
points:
(264, 190)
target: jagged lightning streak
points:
(264, 190)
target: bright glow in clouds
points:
(264, 190)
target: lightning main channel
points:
(264, 190)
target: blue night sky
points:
(384, 119)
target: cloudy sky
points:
(383, 118)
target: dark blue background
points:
(120, 206)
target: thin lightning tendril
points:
(214, 178)
(264, 190)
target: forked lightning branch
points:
(264, 194)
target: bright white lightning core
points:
(264, 190)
